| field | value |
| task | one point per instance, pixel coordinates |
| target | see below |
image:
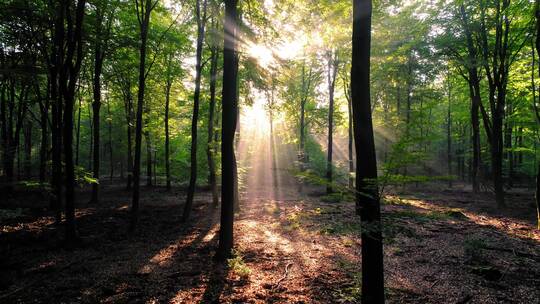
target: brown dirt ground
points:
(441, 246)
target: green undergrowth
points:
(238, 266)
(351, 292)
(427, 216)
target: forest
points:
(270, 151)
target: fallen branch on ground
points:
(278, 283)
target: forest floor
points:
(441, 246)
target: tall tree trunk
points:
(96, 106)
(303, 113)
(129, 121)
(28, 150)
(67, 81)
(332, 71)
(229, 117)
(148, 142)
(78, 136)
(449, 134)
(508, 156)
(211, 145)
(476, 99)
(351, 139)
(144, 9)
(91, 142)
(111, 160)
(367, 197)
(201, 20)
(44, 147)
(167, 143)
(537, 112)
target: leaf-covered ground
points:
(440, 247)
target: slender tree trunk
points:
(497, 159)
(537, 112)
(167, 143)
(367, 197)
(449, 134)
(332, 69)
(201, 19)
(43, 154)
(476, 99)
(28, 150)
(211, 145)
(148, 142)
(96, 106)
(508, 156)
(229, 116)
(78, 136)
(111, 160)
(351, 144)
(68, 80)
(144, 17)
(56, 134)
(129, 118)
(91, 146)
(303, 114)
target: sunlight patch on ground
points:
(511, 227)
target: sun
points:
(267, 56)
(255, 117)
(261, 53)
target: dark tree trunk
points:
(148, 154)
(96, 124)
(303, 113)
(449, 134)
(167, 143)
(67, 81)
(28, 150)
(201, 20)
(350, 135)
(78, 137)
(367, 197)
(332, 71)
(537, 112)
(129, 120)
(144, 9)
(91, 146)
(229, 117)
(508, 147)
(44, 147)
(56, 135)
(211, 145)
(12, 123)
(496, 65)
(111, 158)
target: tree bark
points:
(537, 112)
(96, 125)
(28, 150)
(332, 71)
(144, 10)
(148, 142)
(67, 81)
(449, 134)
(229, 117)
(367, 196)
(111, 156)
(201, 20)
(78, 136)
(167, 142)
(211, 145)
